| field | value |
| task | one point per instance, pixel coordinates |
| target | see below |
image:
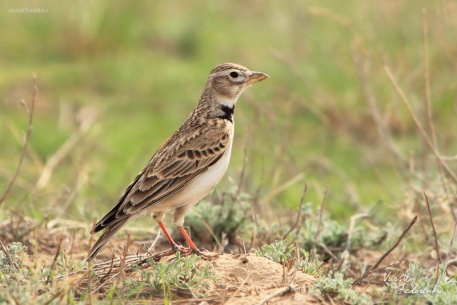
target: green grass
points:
(142, 67)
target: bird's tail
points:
(106, 236)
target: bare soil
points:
(253, 279)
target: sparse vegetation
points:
(417, 283)
(184, 276)
(291, 257)
(335, 285)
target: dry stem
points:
(26, 143)
(433, 227)
(387, 252)
(296, 226)
(419, 125)
(289, 288)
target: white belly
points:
(203, 184)
(198, 188)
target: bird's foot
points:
(182, 250)
(206, 256)
(174, 248)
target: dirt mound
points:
(241, 279)
(250, 279)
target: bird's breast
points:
(204, 183)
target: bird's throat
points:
(227, 113)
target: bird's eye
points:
(234, 74)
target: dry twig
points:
(427, 79)
(454, 218)
(283, 290)
(245, 162)
(345, 253)
(296, 226)
(381, 124)
(387, 252)
(26, 142)
(10, 259)
(54, 261)
(319, 224)
(65, 149)
(419, 125)
(433, 227)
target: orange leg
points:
(187, 238)
(192, 246)
(167, 235)
(175, 247)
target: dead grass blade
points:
(386, 253)
(319, 224)
(281, 291)
(419, 125)
(245, 162)
(280, 188)
(121, 277)
(296, 225)
(54, 261)
(433, 227)
(26, 142)
(57, 295)
(454, 218)
(381, 125)
(65, 149)
(345, 254)
(10, 259)
(427, 78)
(245, 280)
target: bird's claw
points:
(205, 256)
(184, 252)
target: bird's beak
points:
(256, 77)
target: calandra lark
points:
(189, 164)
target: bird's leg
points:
(174, 246)
(179, 215)
(192, 246)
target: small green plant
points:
(224, 216)
(277, 251)
(335, 286)
(13, 270)
(187, 275)
(332, 234)
(281, 252)
(308, 266)
(11, 257)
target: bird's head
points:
(228, 81)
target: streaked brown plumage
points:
(189, 164)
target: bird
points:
(188, 165)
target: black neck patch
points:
(228, 113)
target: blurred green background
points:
(116, 78)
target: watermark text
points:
(28, 10)
(406, 284)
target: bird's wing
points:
(179, 160)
